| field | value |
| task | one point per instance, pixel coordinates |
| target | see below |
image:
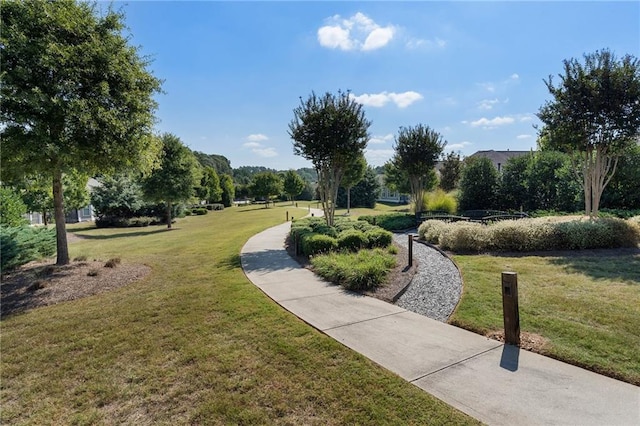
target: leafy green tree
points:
(293, 184)
(624, 189)
(118, 196)
(396, 178)
(175, 178)
(266, 184)
(220, 163)
(75, 96)
(417, 150)
(514, 187)
(479, 185)
(450, 171)
(364, 193)
(209, 188)
(594, 115)
(330, 131)
(11, 207)
(228, 190)
(543, 181)
(353, 175)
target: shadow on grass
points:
(231, 262)
(623, 267)
(122, 234)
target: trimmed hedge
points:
(20, 245)
(391, 221)
(379, 238)
(314, 243)
(548, 233)
(125, 222)
(352, 240)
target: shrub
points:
(11, 208)
(19, 245)
(215, 207)
(465, 236)
(112, 263)
(439, 200)
(122, 222)
(370, 219)
(395, 221)
(200, 211)
(430, 230)
(352, 240)
(378, 238)
(314, 243)
(363, 270)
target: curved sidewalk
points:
(495, 383)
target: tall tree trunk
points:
(61, 226)
(169, 214)
(44, 218)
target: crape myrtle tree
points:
(75, 96)
(266, 184)
(330, 131)
(293, 184)
(352, 176)
(416, 151)
(594, 115)
(175, 178)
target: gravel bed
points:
(436, 287)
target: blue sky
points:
(234, 71)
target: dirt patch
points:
(528, 341)
(43, 283)
(396, 282)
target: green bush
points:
(314, 243)
(378, 238)
(125, 222)
(200, 211)
(363, 270)
(391, 221)
(19, 245)
(352, 240)
(11, 208)
(439, 200)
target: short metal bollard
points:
(510, 309)
(410, 244)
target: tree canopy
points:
(354, 174)
(450, 171)
(594, 115)
(479, 184)
(330, 131)
(75, 96)
(266, 184)
(293, 184)
(176, 176)
(416, 151)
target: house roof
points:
(499, 157)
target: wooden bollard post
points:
(510, 308)
(287, 216)
(410, 243)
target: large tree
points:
(209, 188)
(417, 150)
(228, 190)
(479, 185)
(176, 176)
(75, 96)
(293, 184)
(266, 184)
(594, 115)
(330, 131)
(363, 194)
(450, 171)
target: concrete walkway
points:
(497, 384)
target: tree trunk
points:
(44, 218)
(169, 214)
(62, 247)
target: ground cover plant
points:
(584, 304)
(192, 343)
(526, 235)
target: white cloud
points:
(378, 157)
(257, 137)
(493, 122)
(524, 137)
(488, 103)
(417, 43)
(514, 76)
(358, 32)
(265, 152)
(402, 100)
(251, 145)
(459, 145)
(381, 139)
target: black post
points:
(510, 308)
(287, 216)
(410, 242)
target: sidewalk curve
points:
(495, 383)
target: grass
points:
(363, 270)
(193, 343)
(587, 305)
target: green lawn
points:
(587, 305)
(193, 343)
